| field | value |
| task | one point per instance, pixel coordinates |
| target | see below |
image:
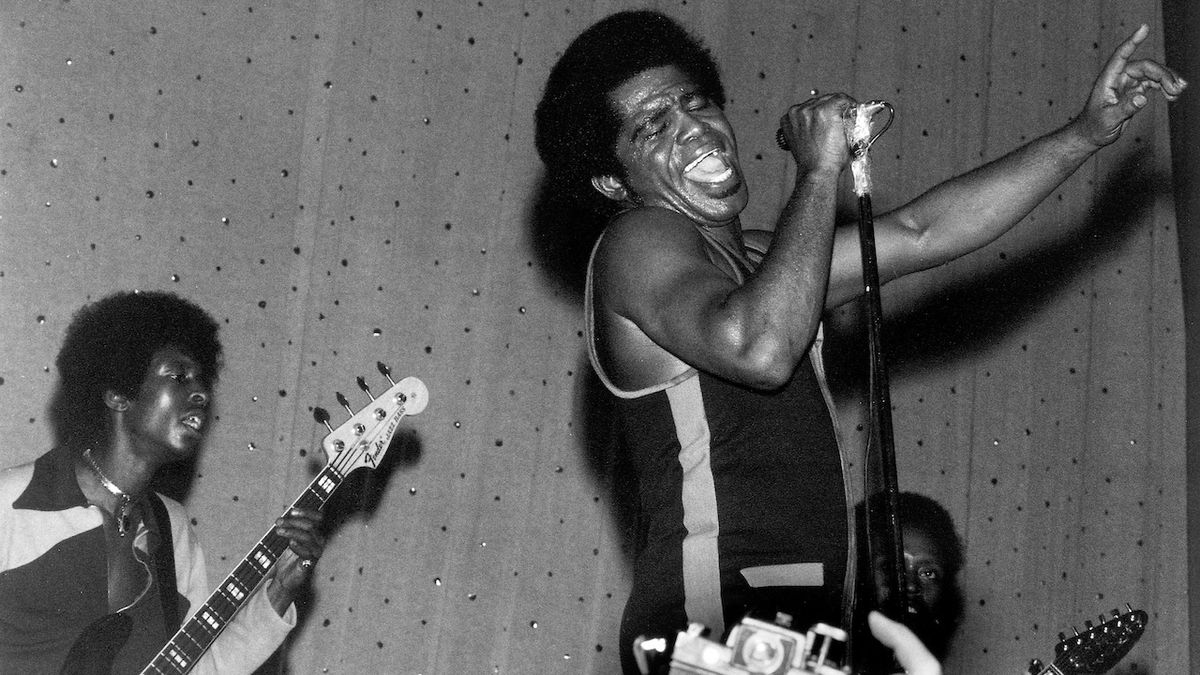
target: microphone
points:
(851, 117)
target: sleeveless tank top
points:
(743, 498)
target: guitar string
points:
(337, 466)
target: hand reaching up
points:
(1123, 89)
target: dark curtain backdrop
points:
(346, 182)
(1181, 22)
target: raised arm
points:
(662, 304)
(971, 210)
(655, 270)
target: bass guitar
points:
(359, 442)
(1098, 648)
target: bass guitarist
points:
(97, 571)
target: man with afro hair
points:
(708, 336)
(97, 570)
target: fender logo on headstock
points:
(362, 440)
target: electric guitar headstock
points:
(362, 440)
(1098, 648)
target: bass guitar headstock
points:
(363, 440)
(1098, 648)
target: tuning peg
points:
(344, 403)
(362, 384)
(321, 415)
(1035, 667)
(386, 372)
(1087, 625)
(1129, 607)
(1116, 614)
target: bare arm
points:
(653, 277)
(971, 210)
(653, 271)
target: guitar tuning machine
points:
(359, 427)
(322, 416)
(1035, 667)
(362, 384)
(385, 371)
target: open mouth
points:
(194, 421)
(709, 167)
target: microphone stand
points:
(885, 544)
(886, 572)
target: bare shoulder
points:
(649, 241)
(648, 229)
(642, 249)
(644, 256)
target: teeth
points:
(695, 162)
(193, 421)
(708, 168)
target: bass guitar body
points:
(97, 649)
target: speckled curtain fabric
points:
(343, 183)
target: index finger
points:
(307, 518)
(1116, 62)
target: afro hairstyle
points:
(576, 125)
(109, 346)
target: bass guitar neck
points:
(360, 442)
(197, 634)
